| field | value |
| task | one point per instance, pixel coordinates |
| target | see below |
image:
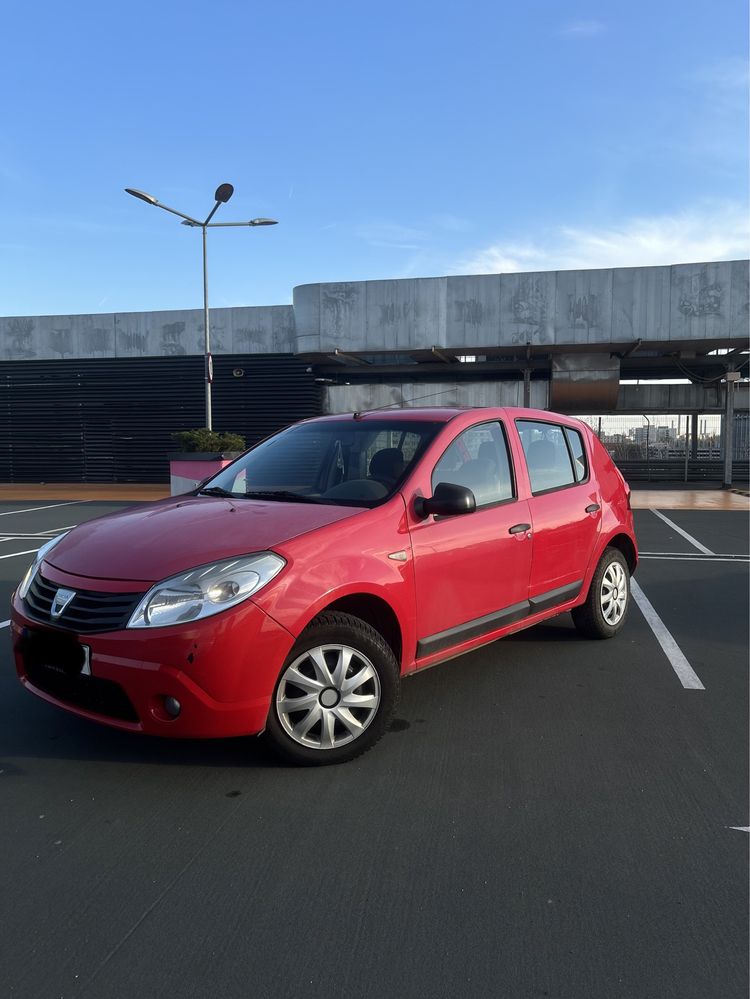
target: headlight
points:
(33, 569)
(206, 590)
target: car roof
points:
(434, 414)
(444, 414)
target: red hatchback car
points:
(290, 592)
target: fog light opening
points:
(172, 706)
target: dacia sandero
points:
(290, 593)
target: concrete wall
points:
(635, 399)
(682, 302)
(260, 330)
(354, 398)
(639, 399)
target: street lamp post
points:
(222, 194)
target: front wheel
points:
(336, 693)
(608, 600)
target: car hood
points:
(149, 543)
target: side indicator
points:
(398, 556)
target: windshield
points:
(344, 462)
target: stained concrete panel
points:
(390, 312)
(405, 314)
(283, 339)
(739, 298)
(527, 309)
(260, 329)
(357, 398)
(473, 311)
(343, 311)
(306, 307)
(583, 307)
(640, 303)
(430, 297)
(168, 334)
(701, 296)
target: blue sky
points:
(389, 139)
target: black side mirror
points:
(449, 500)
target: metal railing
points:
(663, 447)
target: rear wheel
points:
(606, 607)
(336, 693)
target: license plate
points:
(58, 654)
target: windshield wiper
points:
(279, 494)
(217, 491)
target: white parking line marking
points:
(42, 535)
(740, 828)
(31, 551)
(688, 537)
(30, 509)
(4, 624)
(685, 672)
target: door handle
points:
(592, 508)
(519, 528)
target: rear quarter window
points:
(578, 453)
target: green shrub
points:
(208, 440)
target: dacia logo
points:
(61, 600)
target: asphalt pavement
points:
(548, 817)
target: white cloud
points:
(583, 29)
(719, 232)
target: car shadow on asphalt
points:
(31, 729)
(69, 738)
(559, 629)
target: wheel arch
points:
(624, 544)
(376, 612)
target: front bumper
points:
(222, 671)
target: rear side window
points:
(580, 467)
(478, 459)
(547, 455)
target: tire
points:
(346, 679)
(608, 600)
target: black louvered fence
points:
(111, 420)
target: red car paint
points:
(446, 572)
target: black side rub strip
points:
(497, 619)
(558, 596)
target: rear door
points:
(564, 506)
(472, 570)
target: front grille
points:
(87, 613)
(53, 664)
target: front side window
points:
(478, 459)
(344, 462)
(547, 455)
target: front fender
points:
(345, 560)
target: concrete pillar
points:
(694, 436)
